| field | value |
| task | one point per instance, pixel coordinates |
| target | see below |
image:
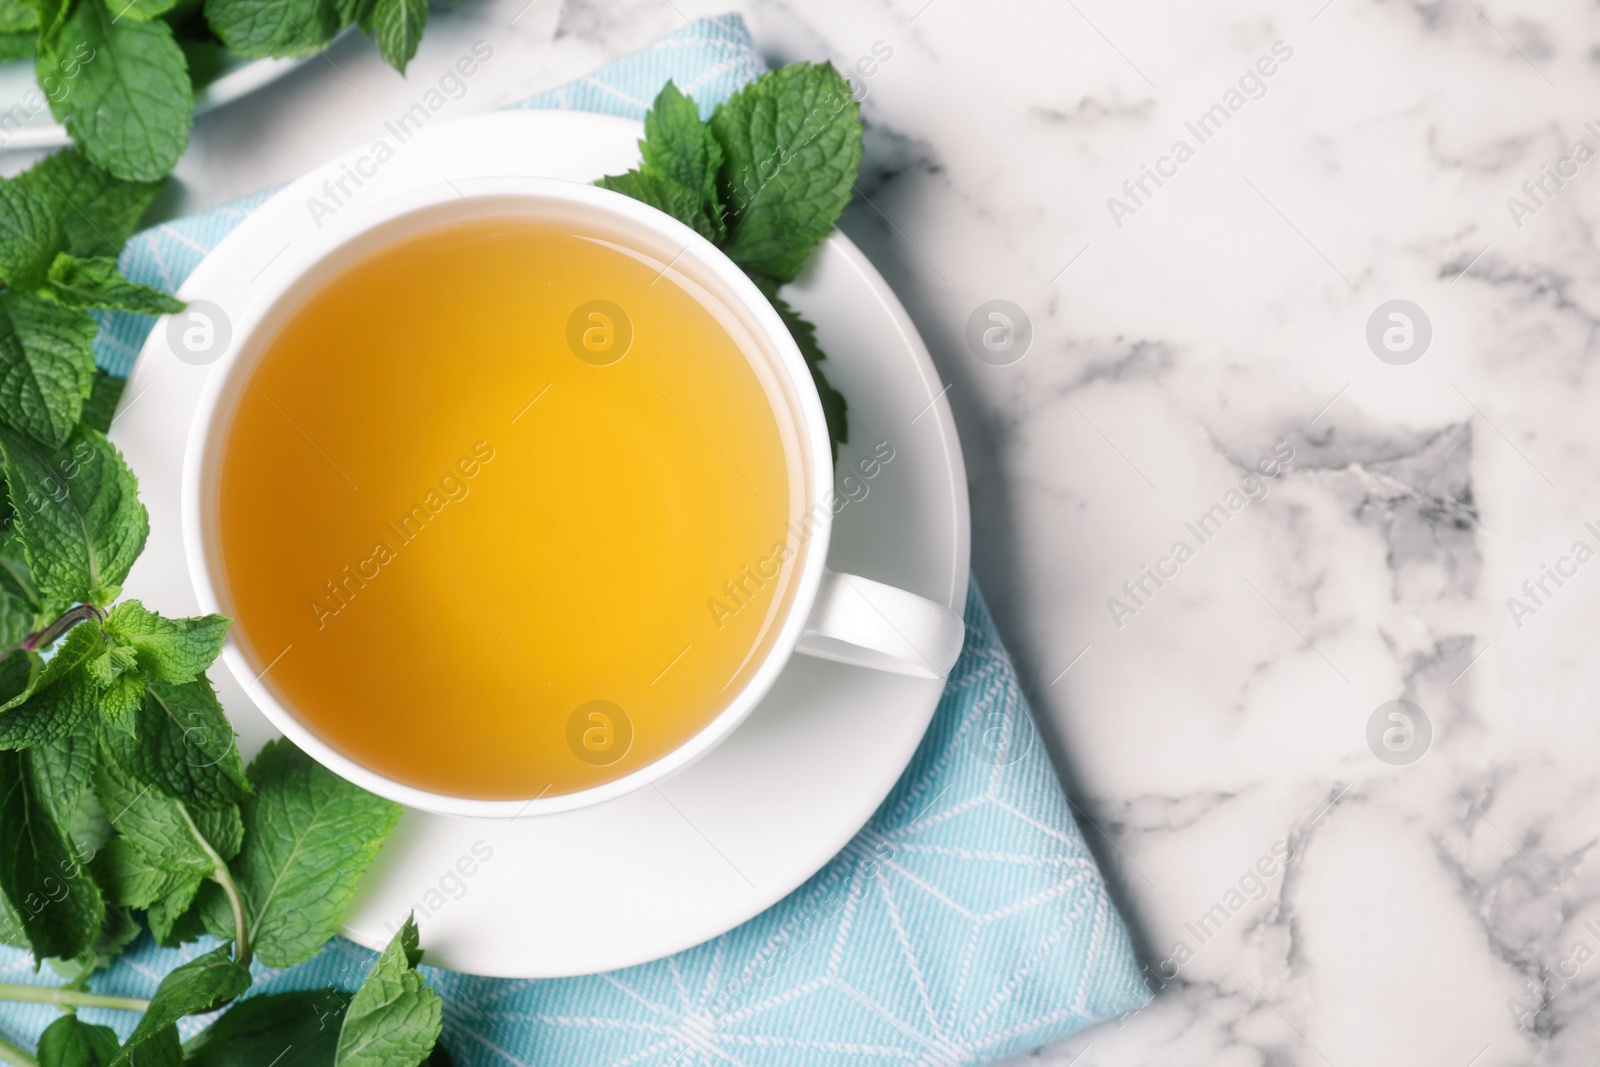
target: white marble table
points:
(1434, 912)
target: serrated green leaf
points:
(298, 1029)
(11, 931)
(834, 407)
(310, 836)
(21, 595)
(397, 26)
(130, 105)
(112, 663)
(51, 892)
(120, 702)
(184, 745)
(131, 879)
(665, 195)
(19, 603)
(16, 671)
(95, 282)
(163, 831)
(59, 697)
(52, 17)
(101, 407)
(28, 236)
(18, 15)
(196, 986)
(394, 1017)
(679, 146)
(263, 28)
(46, 365)
(791, 142)
(78, 514)
(96, 211)
(168, 650)
(70, 1042)
(164, 913)
(65, 767)
(117, 932)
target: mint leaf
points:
(69, 1042)
(834, 407)
(197, 986)
(791, 142)
(117, 932)
(397, 26)
(78, 514)
(15, 577)
(17, 16)
(679, 172)
(101, 407)
(97, 283)
(679, 146)
(58, 904)
(59, 697)
(129, 107)
(46, 365)
(183, 745)
(96, 212)
(299, 1029)
(11, 931)
(164, 913)
(128, 878)
(16, 672)
(665, 195)
(167, 650)
(65, 767)
(263, 28)
(394, 1018)
(310, 836)
(19, 600)
(164, 832)
(121, 698)
(131, 879)
(28, 235)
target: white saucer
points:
(670, 866)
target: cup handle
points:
(860, 621)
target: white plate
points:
(239, 77)
(670, 866)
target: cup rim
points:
(280, 282)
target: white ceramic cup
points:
(833, 616)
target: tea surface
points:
(474, 550)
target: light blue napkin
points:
(965, 923)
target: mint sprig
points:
(122, 792)
(764, 180)
(394, 1018)
(118, 75)
(310, 835)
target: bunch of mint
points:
(121, 75)
(122, 791)
(764, 181)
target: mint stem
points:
(221, 875)
(16, 1055)
(51, 634)
(68, 998)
